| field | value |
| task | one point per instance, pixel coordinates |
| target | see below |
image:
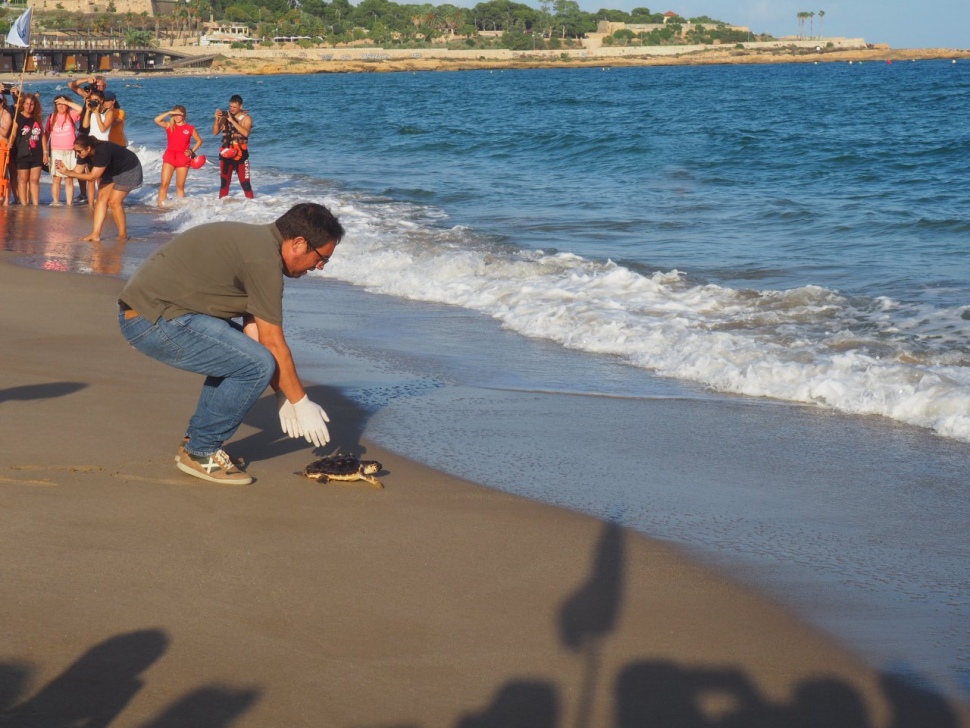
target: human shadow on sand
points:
(27, 392)
(269, 441)
(661, 693)
(96, 688)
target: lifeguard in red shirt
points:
(183, 143)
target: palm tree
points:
(821, 14)
(801, 22)
(811, 18)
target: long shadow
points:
(91, 692)
(348, 420)
(663, 694)
(40, 391)
(519, 704)
(97, 688)
(210, 707)
(589, 615)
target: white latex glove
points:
(288, 420)
(313, 421)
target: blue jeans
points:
(237, 369)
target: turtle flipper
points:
(372, 480)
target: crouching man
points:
(178, 307)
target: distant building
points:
(607, 27)
(224, 33)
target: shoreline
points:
(295, 62)
(296, 65)
(432, 601)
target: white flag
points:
(19, 34)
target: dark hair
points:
(237, 98)
(313, 222)
(86, 140)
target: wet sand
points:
(135, 595)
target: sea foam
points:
(808, 344)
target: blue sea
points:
(726, 306)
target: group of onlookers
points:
(86, 141)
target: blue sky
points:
(942, 24)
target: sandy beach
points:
(133, 595)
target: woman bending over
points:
(118, 171)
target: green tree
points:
(139, 39)
(623, 36)
(571, 21)
(614, 16)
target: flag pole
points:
(20, 97)
(23, 72)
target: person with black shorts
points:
(119, 171)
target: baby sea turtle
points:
(345, 468)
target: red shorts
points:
(176, 159)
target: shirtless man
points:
(235, 126)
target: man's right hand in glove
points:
(313, 421)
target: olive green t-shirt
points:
(222, 269)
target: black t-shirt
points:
(28, 141)
(114, 158)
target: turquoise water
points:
(727, 306)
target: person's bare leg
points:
(69, 190)
(55, 190)
(116, 205)
(167, 170)
(100, 213)
(180, 174)
(23, 185)
(35, 186)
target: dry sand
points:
(134, 595)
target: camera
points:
(93, 103)
(86, 87)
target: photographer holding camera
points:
(83, 87)
(235, 126)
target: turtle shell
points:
(333, 466)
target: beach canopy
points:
(19, 34)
